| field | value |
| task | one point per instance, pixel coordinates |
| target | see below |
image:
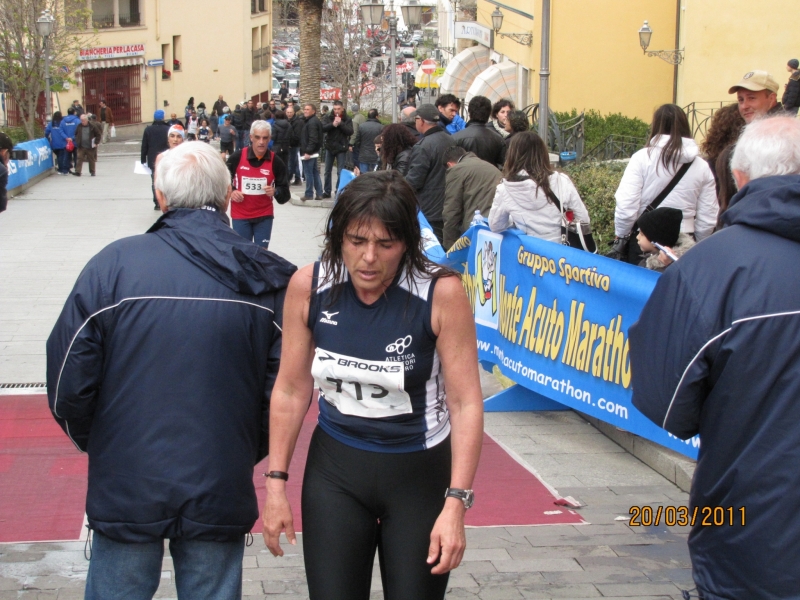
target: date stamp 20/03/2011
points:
(705, 516)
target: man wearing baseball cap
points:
(791, 93)
(757, 94)
(6, 146)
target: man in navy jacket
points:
(161, 367)
(717, 352)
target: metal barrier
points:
(615, 147)
(699, 115)
(564, 136)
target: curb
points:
(674, 466)
(328, 203)
(30, 183)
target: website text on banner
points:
(555, 320)
(40, 160)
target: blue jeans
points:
(294, 164)
(62, 160)
(313, 180)
(340, 158)
(366, 167)
(255, 230)
(119, 571)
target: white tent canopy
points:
(462, 70)
(496, 82)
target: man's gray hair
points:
(193, 176)
(767, 147)
(261, 126)
(406, 114)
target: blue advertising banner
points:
(40, 160)
(555, 320)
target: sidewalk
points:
(50, 232)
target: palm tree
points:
(310, 13)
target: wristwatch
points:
(466, 496)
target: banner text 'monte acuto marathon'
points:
(555, 320)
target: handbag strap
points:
(670, 186)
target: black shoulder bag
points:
(575, 234)
(620, 246)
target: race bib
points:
(362, 388)
(253, 186)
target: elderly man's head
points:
(260, 132)
(766, 148)
(756, 93)
(289, 111)
(406, 115)
(193, 176)
(84, 119)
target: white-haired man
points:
(258, 176)
(161, 367)
(717, 352)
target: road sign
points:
(428, 66)
(156, 62)
(439, 72)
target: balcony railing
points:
(106, 21)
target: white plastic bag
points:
(113, 132)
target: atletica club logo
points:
(399, 345)
(328, 318)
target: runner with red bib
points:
(258, 176)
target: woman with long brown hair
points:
(396, 144)
(525, 197)
(725, 128)
(653, 168)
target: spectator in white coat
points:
(652, 169)
(524, 198)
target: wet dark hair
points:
(373, 113)
(500, 105)
(727, 185)
(479, 109)
(725, 128)
(528, 152)
(669, 120)
(518, 121)
(446, 99)
(396, 138)
(385, 196)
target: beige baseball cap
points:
(755, 81)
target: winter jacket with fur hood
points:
(645, 178)
(523, 205)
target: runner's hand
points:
(277, 517)
(237, 196)
(269, 190)
(448, 540)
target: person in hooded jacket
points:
(161, 367)
(57, 136)
(281, 136)
(524, 198)
(70, 125)
(154, 142)
(716, 351)
(651, 170)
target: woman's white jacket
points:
(523, 205)
(645, 178)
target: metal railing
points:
(564, 136)
(615, 147)
(699, 115)
(106, 21)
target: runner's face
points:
(175, 139)
(260, 141)
(372, 258)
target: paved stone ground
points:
(48, 234)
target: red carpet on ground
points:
(43, 480)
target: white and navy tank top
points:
(379, 376)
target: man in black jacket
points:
(426, 173)
(791, 94)
(161, 367)
(296, 122)
(154, 142)
(476, 137)
(216, 113)
(338, 128)
(239, 121)
(310, 143)
(719, 355)
(364, 143)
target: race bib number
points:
(362, 388)
(253, 186)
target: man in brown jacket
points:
(470, 183)
(87, 137)
(106, 118)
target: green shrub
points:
(17, 134)
(597, 183)
(597, 127)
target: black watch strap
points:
(466, 496)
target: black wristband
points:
(277, 475)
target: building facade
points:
(198, 50)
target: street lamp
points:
(526, 39)
(673, 57)
(44, 26)
(372, 14)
